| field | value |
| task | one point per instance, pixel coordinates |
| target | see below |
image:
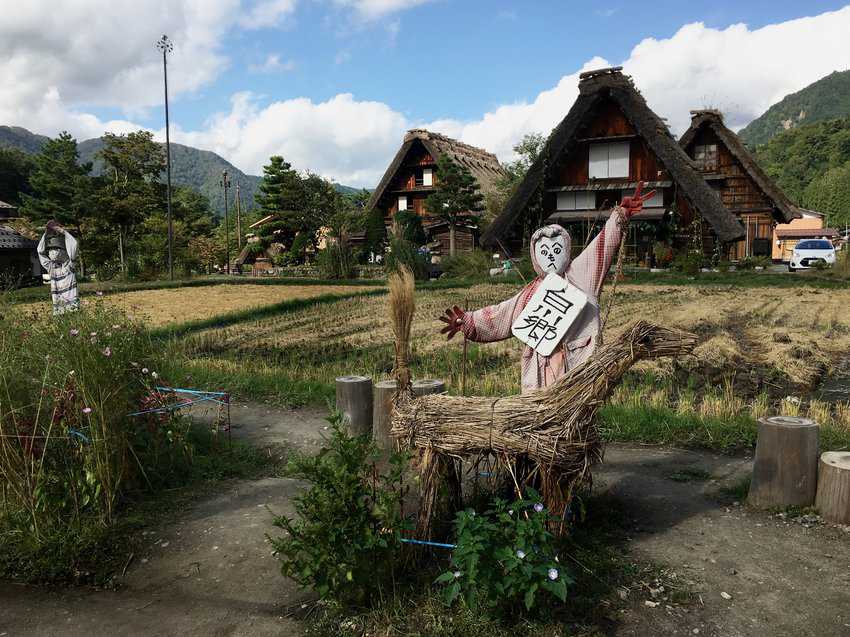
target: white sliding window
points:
(576, 200)
(427, 177)
(402, 203)
(608, 161)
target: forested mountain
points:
(190, 167)
(811, 163)
(828, 98)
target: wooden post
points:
(382, 405)
(833, 499)
(786, 464)
(354, 401)
(426, 386)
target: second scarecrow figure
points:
(57, 252)
(550, 254)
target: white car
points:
(809, 251)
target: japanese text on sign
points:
(549, 314)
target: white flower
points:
(144, 370)
(510, 511)
(154, 375)
(456, 574)
(553, 574)
(87, 410)
(93, 334)
(520, 554)
(538, 507)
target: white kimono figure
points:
(57, 252)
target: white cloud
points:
(374, 9)
(272, 64)
(342, 138)
(267, 13)
(56, 63)
(739, 70)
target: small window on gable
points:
(609, 161)
(577, 200)
(402, 203)
(705, 156)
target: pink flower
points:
(107, 351)
(99, 293)
(75, 332)
(87, 410)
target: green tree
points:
(132, 190)
(15, 169)
(830, 194)
(457, 197)
(528, 150)
(60, 185)
(281, 193)
(376, 232)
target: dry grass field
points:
(757, 345)
(180, 305)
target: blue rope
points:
(160, 410)
(423, 542)
(79, 435)
(200, 392)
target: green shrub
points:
(663, 254)
(688, 263)
(70, 453)
(404, 253)
(505, 558)
(749, 263)
(338, 261)
(468, 265)
(345, 543)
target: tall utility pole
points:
(225, 184)
(238, 220)
(164, 45)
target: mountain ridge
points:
(190, 167)
(824, 99)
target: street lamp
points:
(165, 45)
(225, 184)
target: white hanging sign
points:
(550, 312)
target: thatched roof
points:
(713, 119)
(11, 239)
(484, 166)
(596, 87)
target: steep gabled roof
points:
(713, 119)
(484, 166)
(594, 88)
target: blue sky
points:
(453, 58)
(333, 84)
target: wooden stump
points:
(426, 386)
(833, 499)
(382, 406)
(354, 401)
(786, 464)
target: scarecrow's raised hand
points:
(634, 204)
(453, 319)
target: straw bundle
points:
(401, 306)
(553, 428)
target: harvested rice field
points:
(179, 305)
(756, 346)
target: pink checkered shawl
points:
(586, 272)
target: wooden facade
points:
(744, 189)
(412, 177)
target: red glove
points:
(634, 204)
(453, 320)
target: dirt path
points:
(211, 572)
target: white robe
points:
(63, 280)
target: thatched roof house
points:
(744, 188)
(410, 177)
(609, 140)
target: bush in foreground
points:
(71, 455)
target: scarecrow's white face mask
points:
(552, 254)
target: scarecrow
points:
(550, 254)
(57, 252)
